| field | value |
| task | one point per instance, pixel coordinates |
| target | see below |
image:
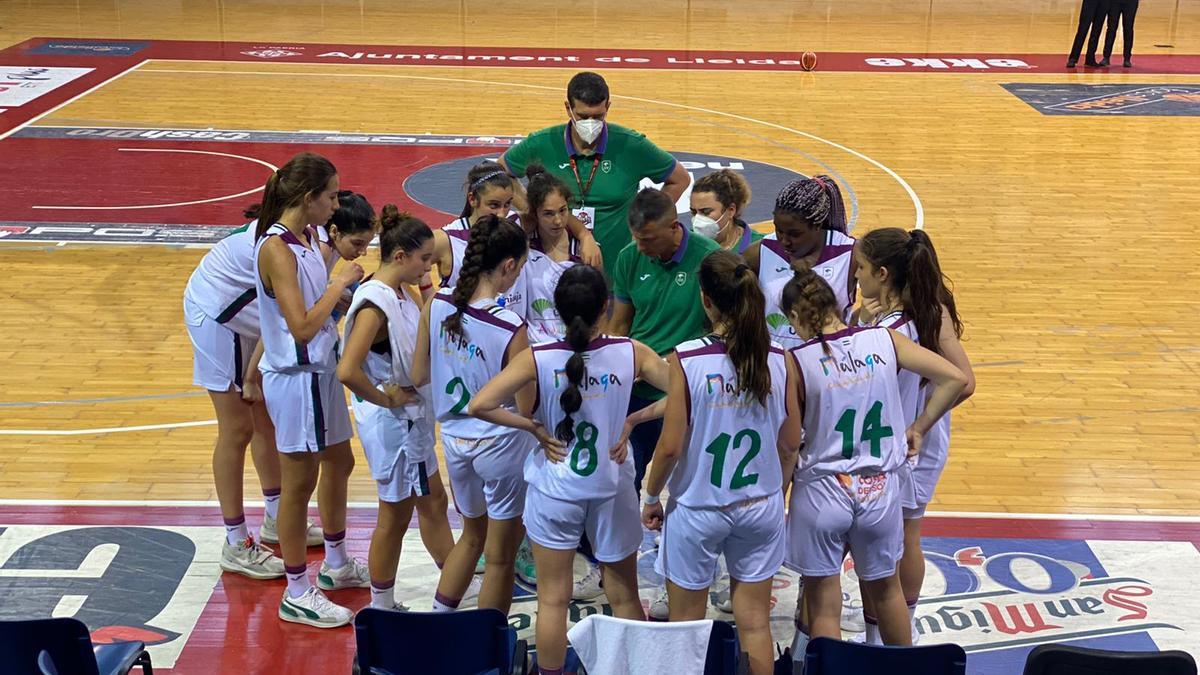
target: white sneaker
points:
(472, 592)
(858, 638)
(269, 532)
(723, 601)
(353, 574)
(852, 614)
(313, 609)
(251, 559)
(588, 587)
(660, 610)
(915, 635)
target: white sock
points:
(297, 581)
(236, 533)
(335, 550)
(439, 606)
(271, 505)
(873, 637)
(383, 597)
(912, 621)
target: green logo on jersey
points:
(681, 278)
(541, 305)
(776, 321)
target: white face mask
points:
(588, 130)
(705, 226)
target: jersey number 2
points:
(464, 396)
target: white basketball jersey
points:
(588, 472)
(542, 274)
(281, 351)
(732, 452)
(775, 270)
(223, 283)
(853, 415)
(393, 364)
(912, 394)
(462, 365)
(514, 299)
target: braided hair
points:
(808, 301)
(579, 298)
(816, 200)
(732, 287)
(493, 240)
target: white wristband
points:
(650, 500)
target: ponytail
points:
(916, 277)
(493, 240)
(809, 297)
(579, 298)
(306, 173)
(733, 289)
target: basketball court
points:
(1062, 204)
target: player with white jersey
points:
(394, 422)
(904, 289)
(465, 339)
(810, 232)
(306, 403)
(731, 433)
(552, 251)
(220, 309)
(582, 483)
(846, 492)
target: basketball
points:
(808, 61)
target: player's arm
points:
(488, 403)
(951, 348)
(751, 256)
(669, 448)
(443, 256)
(589, 250)
(278, 270)
(252, 378)
(419, 374)
(526, 397)
(948, 383)
(791, 433)
(368, 322)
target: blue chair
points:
(724, 650)
(472, 642)
(64, 647)
(826, 656)
(1067, 660)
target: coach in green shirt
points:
(603, 163)
(656, 283)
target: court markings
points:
(71, 100)
(918, 207)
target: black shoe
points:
(1102, 64)
(1071, 62)
(1091, 63)
(1127, 64)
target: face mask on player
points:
(588, 130)
(705, 226)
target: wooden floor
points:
(1070, 239)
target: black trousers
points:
(1125, 11)
(1091, 15)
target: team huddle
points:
(778, 400)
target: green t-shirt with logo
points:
(665, 296)
(623, 157)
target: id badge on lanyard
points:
(585, 214)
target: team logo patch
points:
(681, 278)
(606, 166)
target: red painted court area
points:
(185, 182)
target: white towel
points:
(610, 646)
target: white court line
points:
(912, 195)
(105, 430)
(251, 191)
(71, 100)
(372, 505)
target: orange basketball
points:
(808, 61)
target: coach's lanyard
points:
(584, 189)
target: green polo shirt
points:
(665, 296)
(624, 156)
